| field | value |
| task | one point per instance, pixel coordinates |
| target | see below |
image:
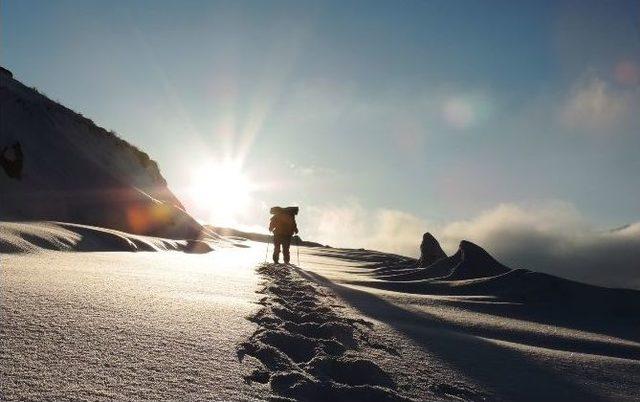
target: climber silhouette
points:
(283, 225)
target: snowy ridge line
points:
(305, 350)
(57, 165)
(36, 236)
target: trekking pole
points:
(267, 252)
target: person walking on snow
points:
(283, 225)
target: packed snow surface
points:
(20, 237)
(342, 325)
(125, 326)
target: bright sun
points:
(222, 189)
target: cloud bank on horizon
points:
(552, 237)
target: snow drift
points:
(57, 165)
(28, 237)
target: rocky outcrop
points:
(468, 262)
(430, 251)
(475, 262)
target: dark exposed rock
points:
(430, 250)
(443, 267)
(11, 160)
(476, 263)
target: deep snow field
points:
(343, 325)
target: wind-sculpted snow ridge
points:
(26, 237)
(307, 350)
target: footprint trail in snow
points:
(306, 350)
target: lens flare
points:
(466, 111)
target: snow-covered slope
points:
(27, 237)
(125, 326)
(493, 334)
(58, 165)
(343, 326)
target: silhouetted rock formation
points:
(475, 263)
(469, 262)
(71, 170)
(430, 251)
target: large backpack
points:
(293, 211)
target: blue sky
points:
(432, 111)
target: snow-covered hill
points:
(56, 164)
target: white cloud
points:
(511, 220)
(595, 104)
(351, 225)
